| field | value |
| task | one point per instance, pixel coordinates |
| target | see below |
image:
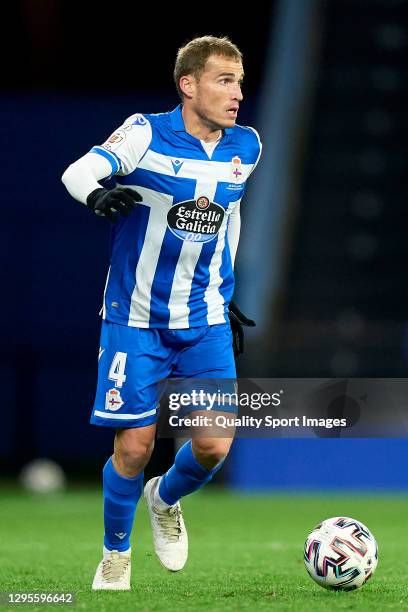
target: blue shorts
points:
(133, 360)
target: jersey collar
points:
(177, 122)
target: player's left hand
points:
(237, 321)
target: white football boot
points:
(113, 572)
(169, 532)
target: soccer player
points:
(180, 177)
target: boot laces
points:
(114, 567)
(170, 523)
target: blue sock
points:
(120, 496)
(185, 476)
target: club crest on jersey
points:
(236, 168)
(113, 400)
(195, 220)
(114, 140)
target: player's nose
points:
(237, 93)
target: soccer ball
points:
(341, 554)
(42, 476)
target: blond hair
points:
(192, 57)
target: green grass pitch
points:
(245, 552)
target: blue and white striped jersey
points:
(170, 261)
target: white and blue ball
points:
(341, 554)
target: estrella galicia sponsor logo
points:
(195, 220)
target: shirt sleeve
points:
(127, 145)
(234, 228)
(258, 150)
(83, 176)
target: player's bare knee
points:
(131, 461)
(136, 454)
(209, 452)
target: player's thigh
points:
(207, 369)
(212, 356)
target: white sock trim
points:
(106, 551)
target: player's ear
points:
(187, 85)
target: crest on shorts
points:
(236, 168)
(113, 400)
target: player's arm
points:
(83, 176)
(82, 182)
(120, 154)
(236, 317)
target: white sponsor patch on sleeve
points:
(115, 140)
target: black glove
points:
(111, 203)
(237, 320)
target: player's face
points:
(218, 92)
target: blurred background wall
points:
(323, 251)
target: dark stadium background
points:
(323, 257)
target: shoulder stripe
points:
(111, 157)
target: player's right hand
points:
(111, 203)
(237, 321)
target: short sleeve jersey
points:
(170, 260)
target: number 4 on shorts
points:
(117, 369)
